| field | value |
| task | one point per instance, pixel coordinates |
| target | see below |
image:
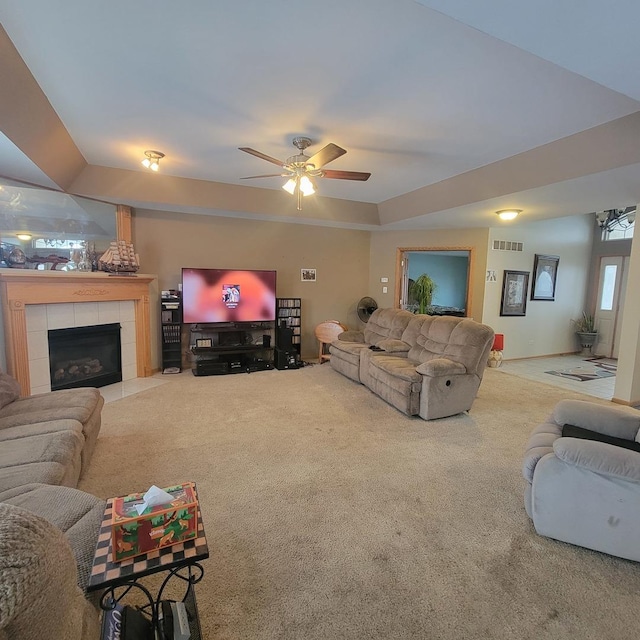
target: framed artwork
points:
(308, 275)
(545, 272)
(514, 293)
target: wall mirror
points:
(45, 229)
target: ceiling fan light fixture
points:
(306, 186)
(301, 169)
(508, 214)
(152, 159)
(290, 186)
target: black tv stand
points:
(231, 347)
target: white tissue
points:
(153, 498)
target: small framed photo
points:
(545, 272)
(514, 293)
(308, 275)
(203, 342)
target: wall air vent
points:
(507, 245)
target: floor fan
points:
(365, 308)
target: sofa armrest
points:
(601, 458)
(539, 445)
(394, 346)
(9, 389)
(441, 367)
(619, 422)
(351, 336)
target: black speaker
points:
(285, 359)
(284, 337)
(266, 340)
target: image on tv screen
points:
(228, 295)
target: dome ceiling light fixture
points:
(152, 159)
(508, 214)
(611, 219)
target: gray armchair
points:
(583, 486)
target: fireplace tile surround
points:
(42, 317)
(34, 301)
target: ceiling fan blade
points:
(326, 155)
(346, 175)
(266, 175)
(264, 156)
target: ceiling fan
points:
(301, 170)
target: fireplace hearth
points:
(85, 356)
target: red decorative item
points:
(498, 342)
(158, 526)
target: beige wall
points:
(546, 329)
(167, 241)
(29, 121)
(384, 246)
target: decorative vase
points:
(587, 340)
(84, 264)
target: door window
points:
(608, 287)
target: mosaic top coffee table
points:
(116, 579)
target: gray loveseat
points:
(46, 443)
(423, 365)
(583, 490)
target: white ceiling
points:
(416, 91)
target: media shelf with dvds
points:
(171, 326)
(289, 316)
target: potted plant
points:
(422, 290)
(586, 331)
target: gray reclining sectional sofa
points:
(48, 528)
(423, 365)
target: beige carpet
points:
(331, 515)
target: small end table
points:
(181, 560)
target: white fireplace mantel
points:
(20, 288)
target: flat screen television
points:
(228, 295)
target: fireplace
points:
(85, 356)
(34, 302)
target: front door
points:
(608, 314)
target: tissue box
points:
(158, 526)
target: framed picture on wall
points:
(545, 272)
(514, 293)
(308, 275)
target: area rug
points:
(608, 364)
(332, 516)
(597, 369)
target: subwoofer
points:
(283, 359)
